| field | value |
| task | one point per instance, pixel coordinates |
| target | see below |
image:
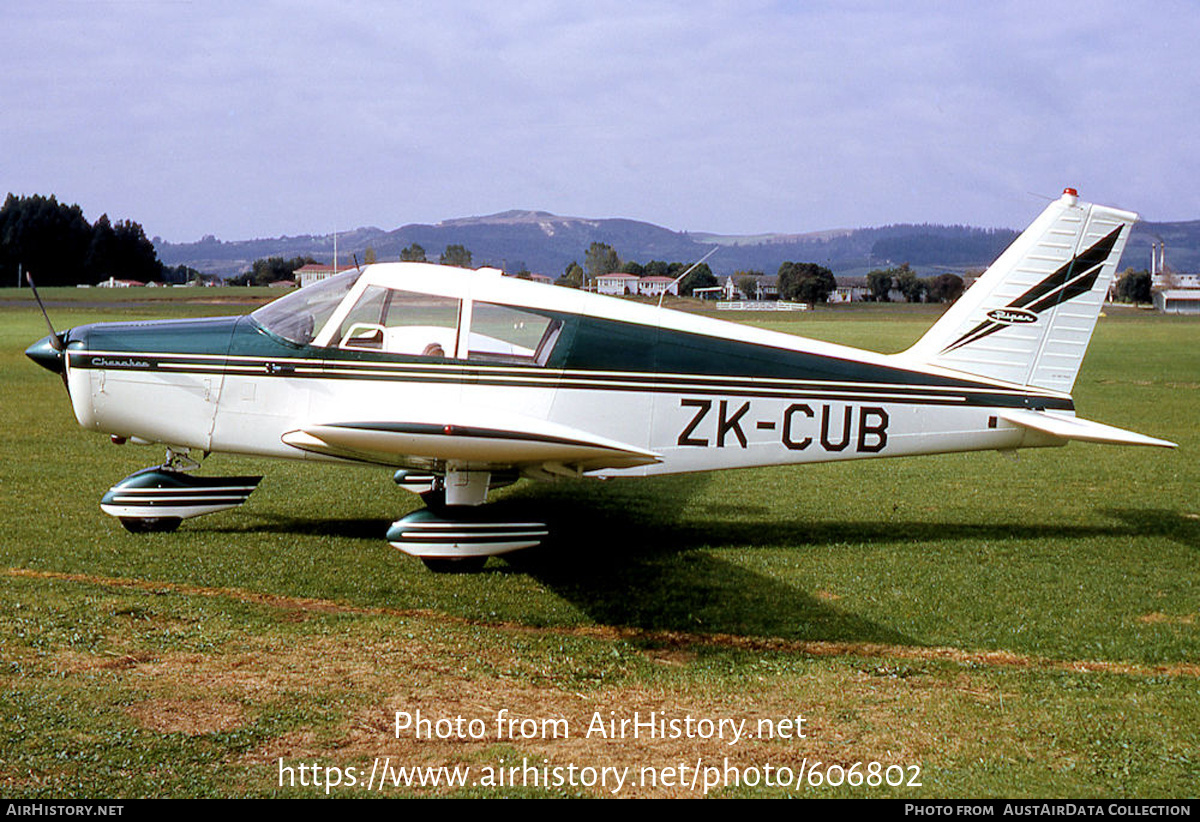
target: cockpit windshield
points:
(300, 315)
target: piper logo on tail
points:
(1072, 279)
(1012, 316)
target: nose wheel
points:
(465, 565)
(150, 525)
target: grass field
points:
(1027, 628)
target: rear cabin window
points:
(503, 333)
(401, 322)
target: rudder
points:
(1028, 320)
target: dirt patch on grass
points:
(674, 657)
(1167, 619)
(347, 687)
(76, 662)
(193, 717)
(541, 702)
(460, 718)
(273, 600)
(677, 639)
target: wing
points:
(467, 435)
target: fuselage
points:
(697, 393)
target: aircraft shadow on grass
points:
(1174, 525)
(627, 555)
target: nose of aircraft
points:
(47, 352)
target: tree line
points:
(805, 282)
(267, 270)
(1134, 286)
(882, 282)
(55, 243)
(58, 246)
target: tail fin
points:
(1029, 318)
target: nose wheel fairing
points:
(159, 498)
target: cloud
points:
(256, 120)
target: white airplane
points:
(468, 380)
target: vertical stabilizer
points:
(1029, 318)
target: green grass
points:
(176, 297)
(825, 588)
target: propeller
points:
(48, 352)
(56, 340)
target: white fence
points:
(761, 305)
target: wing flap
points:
(1073, 428)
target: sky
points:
(257, 119)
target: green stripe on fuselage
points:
(591, 354)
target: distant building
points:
(850, 290)
(1171, 280)
(654, 286)
(764, 288)
(1177, 300)
(616, 283)
(315, 272)
(112, 282)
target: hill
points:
(546, 243)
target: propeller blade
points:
(55, 340)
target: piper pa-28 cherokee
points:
(465, 381)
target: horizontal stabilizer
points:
(1073, 428)
(480, 438)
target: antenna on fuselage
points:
(691, 268)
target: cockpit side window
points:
(504, 333)
(401, 322)
(299, 315)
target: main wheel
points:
(435, 499)
(460, 565)
(150, 525)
